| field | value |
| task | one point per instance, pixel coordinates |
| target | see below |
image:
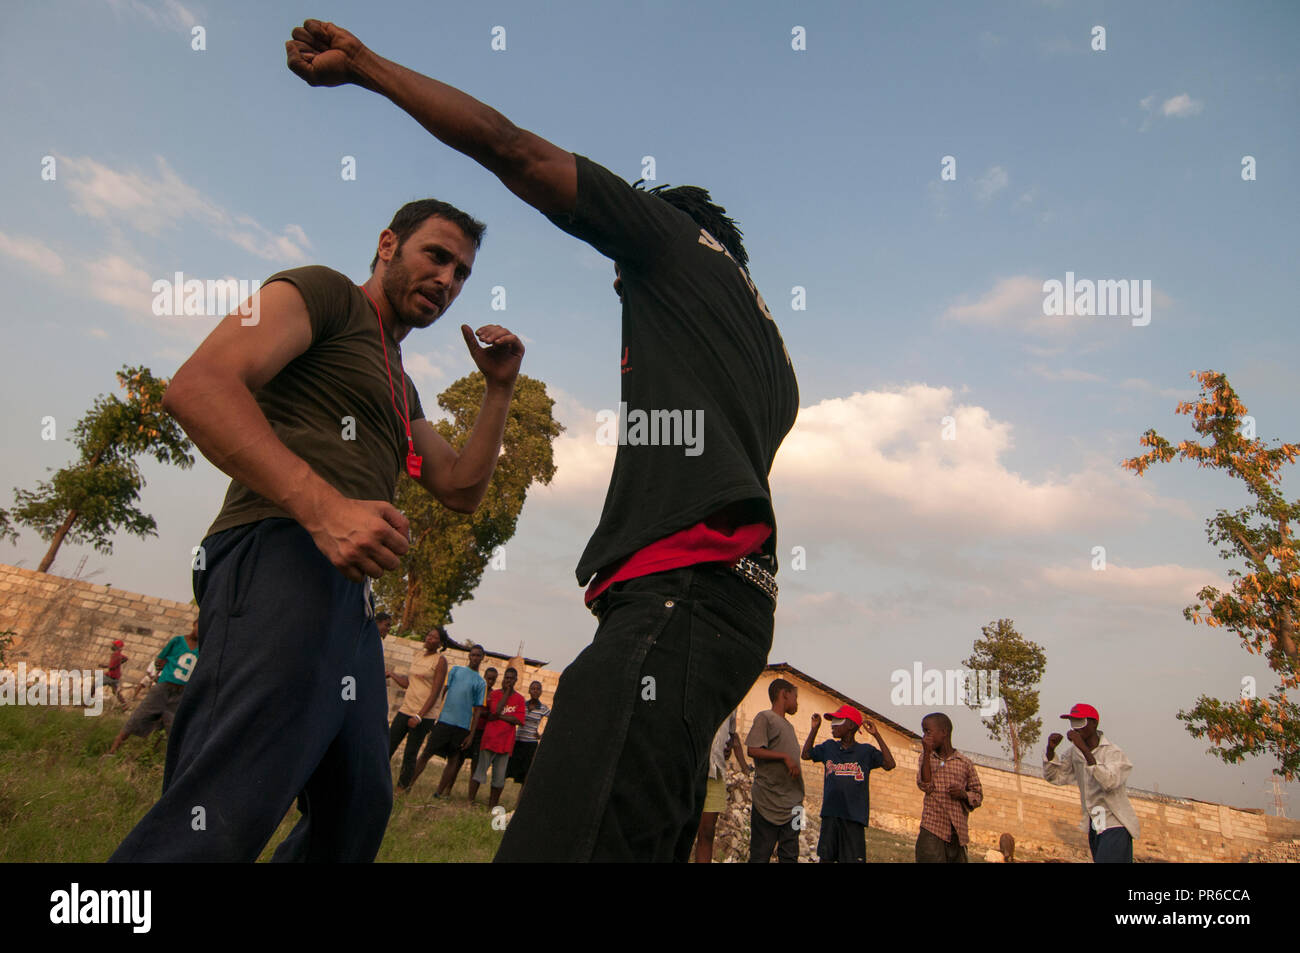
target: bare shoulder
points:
(254, 347)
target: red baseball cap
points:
(1083, 711)
(846, 712)
(118, 643)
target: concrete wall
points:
(67, 624)
(64, 623)
(1043, 817)
(398, 653)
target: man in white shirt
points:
(1101, 770)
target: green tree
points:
(1019, 664)
(90, 500)
(449, 551)
(1261, 608)
(7, 530)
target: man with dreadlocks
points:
(680, 570)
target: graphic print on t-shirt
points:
(178, 661)
(850, 770)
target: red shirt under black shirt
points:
(697, 339)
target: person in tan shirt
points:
(777, 792)
(423, 684)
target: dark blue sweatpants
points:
(288, 698)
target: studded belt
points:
(747, 569)
(756, 575)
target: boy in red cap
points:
(1101, 770)
(846, 790)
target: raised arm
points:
(1056, 772)
(886, 756)
(359, 537)
(924, 781)
(539, 172)
(460, 480)
(806, 754)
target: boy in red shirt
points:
(113, 676)
(505, 713)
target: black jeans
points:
(764, 835)
(621, 772)
(399, 729)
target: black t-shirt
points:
(708, 390)
(846, 789)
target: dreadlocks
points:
(697, 203)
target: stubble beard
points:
(397, 288)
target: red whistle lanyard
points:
(413, 459)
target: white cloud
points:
(869, 478)
(1061, 46)
(1181, 105)
(582, 466)
(33, 252)
(1066, 374)
(874, 464)
(146, 203)
(989, 43)
(123, 283)
(425, 371)
(991, 183)
(937, 196)
(1011, 302)
(1174, 393)
(119, 282)
(1178, 107)
(154, 203)
(169, 14)
(1017, 303)
(1168, 585)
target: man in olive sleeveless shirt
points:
(308, 410)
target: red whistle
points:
(413, 462)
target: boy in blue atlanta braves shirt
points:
(846, 789)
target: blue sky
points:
(923, 296)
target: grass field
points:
(63, 798)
